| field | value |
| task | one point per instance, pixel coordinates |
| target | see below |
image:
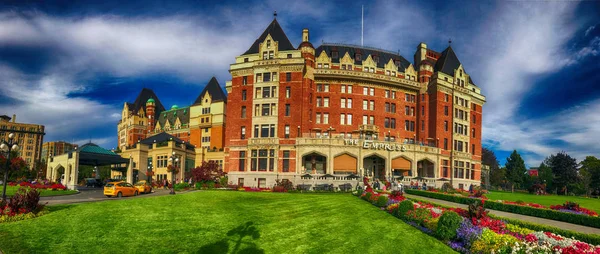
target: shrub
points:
(404, 207)
(449, 222)
(285, 184)
(491, 242)
(367, 196)
(279, 189)
(467, 233)
(476, 209)
(432, 224)
(199, 185)
(25, 200)
(419, 216)
(181, 186)
(382, 201)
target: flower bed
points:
(476, 232)
(23, 205)
(522, 208)
(39, 185)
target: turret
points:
(150, 114)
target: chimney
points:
(304, 34)
(14, 118)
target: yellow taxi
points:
(143, 187)
(120, 189)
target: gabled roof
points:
(140, 102)
(277, 34)
(171, 115)
(448, 62)
(384, 56)
(162, 137)
(214, 90)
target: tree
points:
(498, 176)
(590, 174)
(489, 158)
(546, 176)
(208, 171)
(564, 169)
(515, 170)
(17, 167)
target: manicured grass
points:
(219, 222)
(547, 200)
(10, 190)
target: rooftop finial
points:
(274, 14)
(449, 42)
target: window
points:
(393, 94)
(288, 76)
(287, 131)
(261, 160)
(365, 119)
(256, 133)
(318, 118)
(243, 133)
(342, 119)
(371, 119)
(349, 88)
(473, 132)
(365, 91)
(243, 112)
(409, 125)
(445, 110)
(243, 95)
(271, 55)
(245, 79)
(326, 88)
(422, 125)
(393, 123)
(387, 92)
(287, 110)
(286, 161)
(326, 102)
(288, 92)
(266, 92)
(343, 88)
(349, 121)
(349, 103)
(246, 60)
(266, 77)
(365, 105)
(474, 119)
(386, 122)
(445, 143)
(343, 103)
(446, 96)
(407, 110)
(445, 125)
(268, 43)
(318, 102)
(319, 88)
(266, 109)
(289, 55)
(372, 91)
(387, 107)
(325, 118)
(472, 149)
(393, 107)
(372, 105)
(422, 110)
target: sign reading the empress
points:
(370, 144)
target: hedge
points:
(524, 210)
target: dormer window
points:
(265, 55)
(397, 62)
(461, 73)
(271, 54)
(326, 66)
(334, 54)
(357, 57)
(376, 59)
(268, 43)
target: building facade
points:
(343, 109)
(55, 148)
(30, 138)
(201, 124)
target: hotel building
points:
(29, 137)
(339, 109)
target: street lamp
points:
(173, 159)
(7, 147)
(149, 170)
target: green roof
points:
(93, 148)
(174, 107)
(150, 100)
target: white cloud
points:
(589, 30)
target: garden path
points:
(553, 223)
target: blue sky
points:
(72, 65)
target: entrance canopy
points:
(93, 155)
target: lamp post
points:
(7, 147)
(173, 159)
(149, 170)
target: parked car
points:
(143, 187)
(93, 182)
(120, 189)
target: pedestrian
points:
(190, 181)
(165, 184)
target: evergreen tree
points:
(489, 158)
(590, 174)
(515, 170)
(546, 176)
(564, 169)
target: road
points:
(93, 195)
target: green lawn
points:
(10, 190)
(219, 222)
(547, 200)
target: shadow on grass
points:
(236, 236)
(55, 208)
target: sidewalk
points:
(553, 223)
